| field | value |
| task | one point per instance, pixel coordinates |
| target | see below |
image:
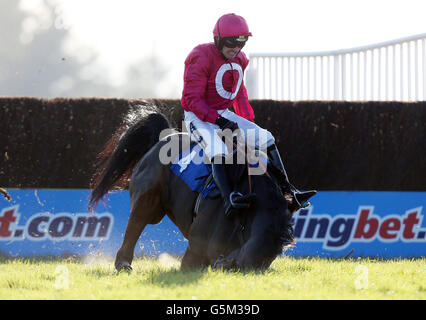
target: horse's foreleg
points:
(256, 253)
(192, 260)
(227, 263)
(147, 210)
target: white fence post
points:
(392, 70)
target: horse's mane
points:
(138, 132)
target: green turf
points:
(160, 278)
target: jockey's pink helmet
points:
(231, 25)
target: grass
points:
(160, 278)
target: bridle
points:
(265, 169)
(238, 224)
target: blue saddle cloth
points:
(190, 167)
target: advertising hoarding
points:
(43, 222)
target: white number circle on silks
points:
(219, 80)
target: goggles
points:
(233, 42)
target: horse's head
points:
(268, 220)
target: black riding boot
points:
(232, 201)
(221, 179)
(301, 198)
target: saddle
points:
(192, 169)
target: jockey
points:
(213, 82)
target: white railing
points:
(392, 70)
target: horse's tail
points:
(123, 151)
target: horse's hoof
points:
(224, 264)
(123, 267)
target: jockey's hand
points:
(224, 123)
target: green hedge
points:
(326, 145)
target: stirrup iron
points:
(302, 198)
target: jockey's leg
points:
(205, 134)
(222, 182)
(265, 142)
(232, 200)
(255, 137)
(299, 197)
(275, 158)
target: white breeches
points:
(206, 134)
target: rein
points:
(248, 165)
(238, 224)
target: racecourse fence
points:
(326, 145)
(392, 70)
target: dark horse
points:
(253, 239)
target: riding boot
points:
(301, 198)
(221, 180)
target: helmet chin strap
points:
(218, 40)
(218, 43)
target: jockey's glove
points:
(224, 123)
